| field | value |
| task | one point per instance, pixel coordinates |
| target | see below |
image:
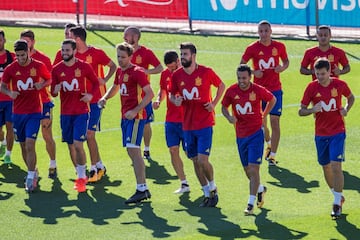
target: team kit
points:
(253, 104)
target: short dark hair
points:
(71, 42)
(322, 63)
(244, 68)
(170, 56)
(27, 33)
(69, 25)
(79, 31)
(20, 45)
(324, 27)
(2, 33)
(188, 45)
(125, 47)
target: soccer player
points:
(174, 116)
(335, 55)
(6, 105)
(144, 57)
(191, 88)
(97, 58)
(22, 81)
(266, 54)
(245, 99)
(325, 96)
(77, 83)
(58, 57)
(46, 121)
(135, 93)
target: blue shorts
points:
(132, 131)
(26, 126)
(277, 109)
(74, 127)
(47, 108)
(149, 113)
(198, 141)
(330, 148)
(251, 148)
(94, 119)
(174, 134)
(5, 112)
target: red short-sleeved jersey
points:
(173, 113)
(131, 82)
(246, 107)
(196, 91)
(329, 121)
(266, 58)
(22, 79)
(75, 80)
(335, 55)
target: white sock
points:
(272, 154)
(337, 198)
(212, 185)
(184, 182)
(141, 187)
(4, 142)
(31, 174)
(81, 171)
(147, 148)
(99, 164)
(206, 190)
(7, 153)
(252, 199)
(261, 188)
(93, 167)
(52, 164)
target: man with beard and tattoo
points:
(22, 81)
(144, 57)
(77, 83)
(191, 88)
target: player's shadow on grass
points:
(157, 172)
(268, 229)
(159, 226)
(214, 221)
(351, 182)
(98, 204)
(49, 205)
(347, 229)
(15, 175)
(288, 179)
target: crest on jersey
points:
(198, 81)
(126, 78)
(334, 92)
(274, 52)
(138, 60)
(77, 72)
(252, 96)
(89, 59)
(32, 72)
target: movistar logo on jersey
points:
(123, 90)
(331, 106)
(73, 86)
(193, 95)
(28, 85)
(246, 109)
(267, 65)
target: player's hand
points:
(131, 114)
(232, 119)
(343, 112)
(178, 101)
(278, 69)
(57, 88)
(317, 108)
(86, 97)
(102, 81)
(156, 105)
(38, 85)
(101, 103)
(209, 106)
(13, 94)
(258, 73)
(336, 70)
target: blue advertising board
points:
(294, 12)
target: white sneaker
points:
(183, 189)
